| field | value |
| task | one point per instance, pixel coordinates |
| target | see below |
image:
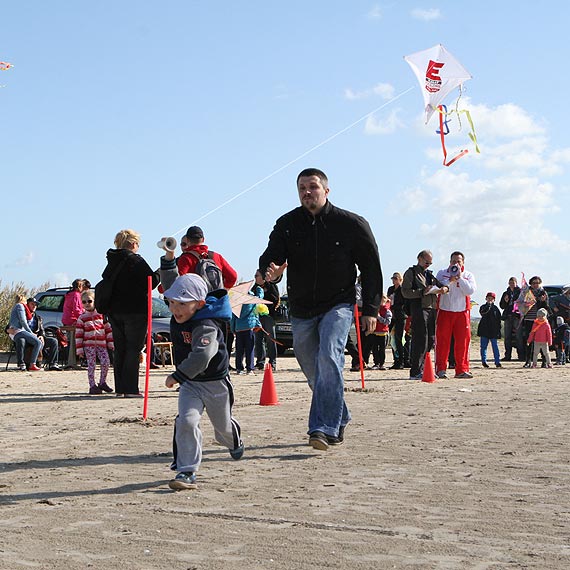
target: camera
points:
(454, 270)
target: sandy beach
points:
(455, 474)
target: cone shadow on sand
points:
(268, 392)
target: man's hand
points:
(170, 382)
(368, 324)
(274, 271)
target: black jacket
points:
(490, 323)
(322, 253)
(130, 287)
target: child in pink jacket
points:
(93, 336)
(541, 335)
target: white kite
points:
(239, 295)
(439, 73)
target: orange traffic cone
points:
(268, 392)
(428, 374)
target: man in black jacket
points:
(512, 319)
(321, 245)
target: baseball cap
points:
(189, 287)
(32, 300)
(194, 232)
(491, 294)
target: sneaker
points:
(260, 366)
(498, 365)
(237, 453)
(273, 367)
(318, 440)
(442, 375)
(397, 367)
(250, 373)
(549, 366)
(22, 367)
(526, 365)
(104, 387)
(183, 481)
(34, 368)
(485, 365)
(416, 377)
(336, 440)
(464, 375)
(54, 367)
(239, 372)
(94, 390)
(506, 359)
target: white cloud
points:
(61, 279)
(384, 90)
(384, 126)
(375, 13)
(497, 207)
(26, 259)
(426, 15)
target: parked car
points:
(283, 331)
(50, 309)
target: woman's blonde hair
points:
(126, 238)
(20, 298)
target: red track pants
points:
(458, 325)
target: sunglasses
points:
(88, 302)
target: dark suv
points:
(283, 331)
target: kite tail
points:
(444, 129)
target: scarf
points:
(536, 325)
(29, 313)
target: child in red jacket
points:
(541, 335)
(377, 341)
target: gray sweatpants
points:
(217, 397)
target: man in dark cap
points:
(194, 250)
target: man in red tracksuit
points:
(454, 317)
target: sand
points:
(456, 474)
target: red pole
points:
(359, 344)
(148, 347)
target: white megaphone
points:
(168, 244)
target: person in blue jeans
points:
(321, 247)
(19, 331)
(489, 329)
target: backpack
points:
(104, 290)
(207, 269)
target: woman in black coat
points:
(128, 309)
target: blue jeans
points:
(319, 347)
(494, 344)
(20, 341)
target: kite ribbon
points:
(442, 134)
(5, 66)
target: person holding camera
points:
(454, 317)
(420, 288)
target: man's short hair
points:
(314, 172)
(457, 253)
(424, 252)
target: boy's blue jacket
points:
(200, 352)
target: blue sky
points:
(151, 116)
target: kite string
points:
(294, 160)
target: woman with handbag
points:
(127, 311)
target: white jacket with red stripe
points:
(458, 298)
(92, 330)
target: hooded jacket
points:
(322, 253)
(131, 284)
(200, 352)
